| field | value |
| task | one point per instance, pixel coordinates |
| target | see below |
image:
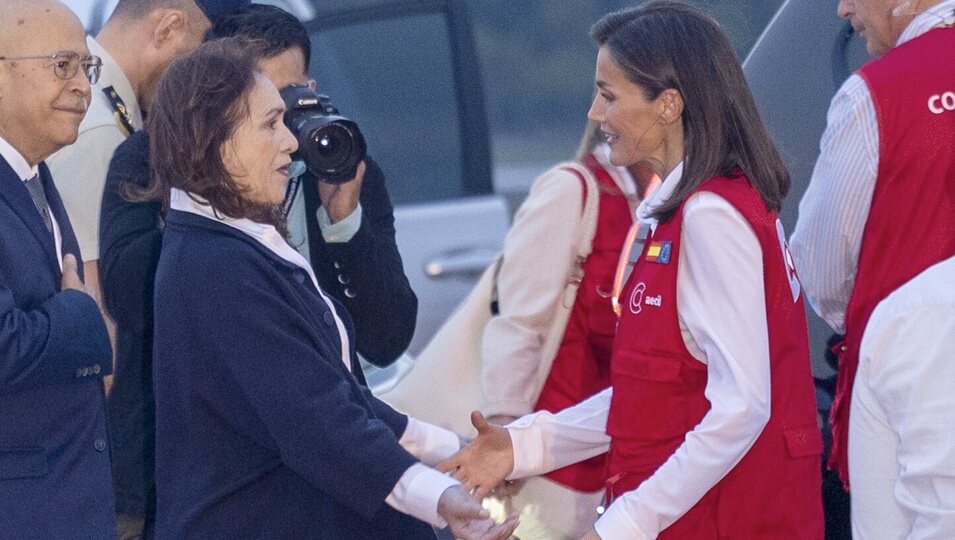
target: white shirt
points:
(901, 448)
(833, 212)
(25, 171)
(419, 488)
(79, 170)
(722, 313)
(531, 281)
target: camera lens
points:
(333, 145)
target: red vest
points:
(582, 365)
(658, 392)
(911, 223)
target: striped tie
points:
(39, 199)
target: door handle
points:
(467, 262)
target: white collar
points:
(17, 162)
(112, 75)
(927, 20)
(659, 196)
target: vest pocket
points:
(22, 462)
(649, 397)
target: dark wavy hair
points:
(200, 102)
(666, 44)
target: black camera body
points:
(331, 145)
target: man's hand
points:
(507, 488)
(340, 200)
(71, 278)
(484, 463)
(468, 520)
(592, 535)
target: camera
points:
(331, 145)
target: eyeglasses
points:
(67, 63)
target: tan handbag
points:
(444, 385)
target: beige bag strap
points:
(585, 239)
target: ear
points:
(671, 105)
(168, 26)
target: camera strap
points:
(291, 191)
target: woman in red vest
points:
(520, 372)
(710, 421)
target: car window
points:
(402, 96)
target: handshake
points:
(480, 466)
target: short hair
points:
(277, 28)
(200, 102)
(666, 44)
(133, 10)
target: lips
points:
(610, 137)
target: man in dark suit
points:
(54, 350)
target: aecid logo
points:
(636, 298)
(939, 103)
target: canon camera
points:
(331, 145)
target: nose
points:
(289, 142)
(845, 8)
(596, 112)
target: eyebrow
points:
(275, 111)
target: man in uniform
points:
(54, 349)
(137, 44)
(879, 210)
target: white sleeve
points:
(429, 443)
(417, 493)
(79, 172)
(538, 252)
(909, 361)
(833, 212)
(722, 306)
(543, 442)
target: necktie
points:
(39, 199)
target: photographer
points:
(346, 230)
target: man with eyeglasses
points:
(137, 43)
(54, 349)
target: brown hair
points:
(666, 44)
(200, 102)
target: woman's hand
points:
(484, 463)
(592, 535)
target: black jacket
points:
(130, 240)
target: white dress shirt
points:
(419, 488)
(833, 212)
(722, 313)
(901, 448)
(23, 169)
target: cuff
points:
(615, 523)
(429, 443)
(417, 493)
(341, 232)
(528, 445)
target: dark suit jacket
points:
(366, 273)
(261, 431)
(54, 350)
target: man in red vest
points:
(881, 205)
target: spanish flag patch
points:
(659, 252)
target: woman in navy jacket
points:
(262, 431)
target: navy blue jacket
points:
(261, 431)
(54, 350)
